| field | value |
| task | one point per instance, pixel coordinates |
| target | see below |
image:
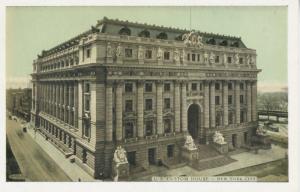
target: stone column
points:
(76, 104)
(61, 101)
(57, 100)
(237, 102)
(109, 112)
(140, 108)
(253, 98)
(159, 108)
(177, 106)
(183, 108)
(119, 111)
(212, 105)
(66, 103)
(70, 104)
(206, 105)
(249, 102)
(225, 102)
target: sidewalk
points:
(246, 159)
(71, 169)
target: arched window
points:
(224, 43)
(211, 41)
(162, 35)
(144, 33)
(235, 44)
(125, 31)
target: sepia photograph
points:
(126, 94)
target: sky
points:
(29, 30)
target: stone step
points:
(207, 151)
(212, 163)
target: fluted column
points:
(237, 101)
(206, 105)
(212, 105)
(76, 104)
(177, 106)
(253, 99)
(225, 102)
(57, 100)
(140, 108)
(249, 102)
(159, 107)
(61, 101)
(65, 103)
(70, 104)
(183, 108)
(109, 112)
(119, 111)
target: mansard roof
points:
(119, 27)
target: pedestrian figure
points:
(79, 180)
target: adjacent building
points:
(143, 87)
(18, 102)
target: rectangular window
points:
(128, 87)
(230, 118)
(241, 60)
(166, 55)
(128, 130)
(194, 86)
(167, 103)
(87, 104)
(87, 128)
(148, 87)
(217, 100)
(128, 53)
(149, 127)
(88, 54)
(217, 59)
(167, 125)
(193, 57)
(148, 54)
(229, 99)
(241, 99)
(230, 86)
(242, 116)
(242, 86)
(148, 104)
(228, 59)
(128, 106)
(170, 151)
(217, 86)
(167, 87)
(87, 88)
(188, 56)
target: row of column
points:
(210, 107)
(61, 101)
(180, 122)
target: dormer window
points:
(224, 43)
(125, 31)
(235, 44)
(162, 35)
(144, 33)
(166, 55)
(211, 41)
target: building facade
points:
(18, 102)
(143, 87)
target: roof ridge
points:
(126, 22)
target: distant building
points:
(143, 87)
(18, 102)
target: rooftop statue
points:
(218, 138)
(192, 39)
(119, 51)
(189, 143)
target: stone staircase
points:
(207, 151)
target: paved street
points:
(35, 164)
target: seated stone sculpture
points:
(189, 143)
(218, 138)
(120, 156)
(260, 131)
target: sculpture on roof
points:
(248, 59)
(236, 58)
(176, 55)
(108, 50)
(218, 138)
(252, 60)
(212, 58)
(205, 57)
(159, 54)
(225, 58)
(141, 52)
(192, 39)
(189, 143)
(119, 50)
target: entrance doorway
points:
(151, 156)
(193, 120)
(234, 140)
(131, 158)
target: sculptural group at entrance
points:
(189, 143)
(218, 138)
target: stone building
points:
(18, 102)
(143, 87)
